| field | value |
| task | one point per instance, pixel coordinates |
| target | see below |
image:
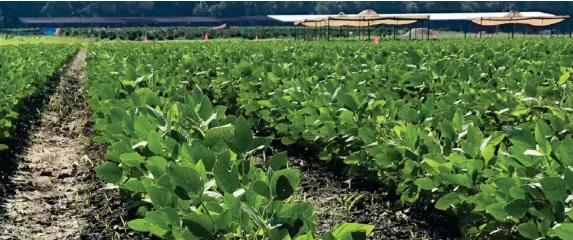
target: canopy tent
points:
(515, 17)
(533, 21)
(365, 18)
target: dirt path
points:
(48, 184)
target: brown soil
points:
(109, 215)
(337, 200)
(46, 186)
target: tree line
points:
(10, 11)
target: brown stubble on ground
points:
(48, 201)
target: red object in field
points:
(433, 36)
(256, 37)
(206, 37)
(376, 40)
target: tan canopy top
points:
(515, 17)
(363, 19)
(534, 21)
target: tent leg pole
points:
(369, 30)
(428, 30)
(316, 33)
(328, 31)
(410, 32)
(294, 32)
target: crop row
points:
(25, 70)
(481, 127)
(192, 171)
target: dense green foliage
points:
(190, 33)
(193, 171)
(171, 33)
(25, 71)
(481, 127)
(10, 11)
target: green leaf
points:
(206, 109)
(157, 166)
(408, 114)
(497, 211)
(132, 159)
(541, 131)
(140, 225)
(566, 151)
(528, 230)
(200, 225)
(568, 173)
(284, 182)
(517, 208)
(161, 198)
(283, 188)
(564, 231)
(154, 142)
(157, 222)
(563, 78)
(223, 221)
(448, 200)
(367, 135)
(554, 188)
(523, 139)
(356, 157)
(187, 178)
(425, 183)
(261, 188)
(343, 231)
(226, 174)
(216, 134)
(109, 172)
(278, 161)
(134, 185)
(201, 153)
(458, 120)
(459, 179)
(348, 101)
(243, 136)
